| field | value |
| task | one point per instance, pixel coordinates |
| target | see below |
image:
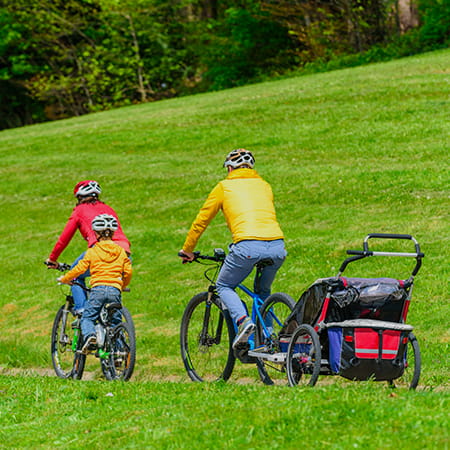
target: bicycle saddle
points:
(110, 306)
(265, 262)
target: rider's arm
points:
(207, 213)
(65, 237)
(79, 269)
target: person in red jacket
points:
(87, 208)
(111, 272)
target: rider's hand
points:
(186, 256)
(64, 282)
(51, 264)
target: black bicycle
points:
(207, 330)
(116, 344)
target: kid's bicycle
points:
(207, 330)
(116, 345)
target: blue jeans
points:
(239, 264)
(78, 294)
(97, 298)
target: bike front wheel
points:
(66, 341)
(119, 354)
(205, 338)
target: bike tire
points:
(304, 356)
(67, 360)
(206, 337)
(126, 317)
(276, 309)
(413, 362)
(121, 349)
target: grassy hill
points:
(347, 153)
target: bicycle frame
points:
(257, 302)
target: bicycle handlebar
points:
(62, 267)
(219, 256)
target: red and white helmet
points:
(239, 157)
(86, 188)
(104, 222)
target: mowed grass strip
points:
(52, 413)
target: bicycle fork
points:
(205, 338)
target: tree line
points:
(65, 58)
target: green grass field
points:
(347, 153)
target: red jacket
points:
(81, 219)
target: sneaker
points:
(90, 344)
(245, 329)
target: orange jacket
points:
(247, 204)
(108, 263)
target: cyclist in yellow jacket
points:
(110, 270)
(247, 204)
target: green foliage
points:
(245, 45)
(17, 107)
(323, 29)
(435, 30)
(68, 58)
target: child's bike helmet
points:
(104, 222)
(239, 157)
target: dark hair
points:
(106, 233)
(92, 198)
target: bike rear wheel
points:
(119, 356)
(274, 311)
(126, 317)
(66, 343)
(205, 339)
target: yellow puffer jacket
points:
(108, 263)
(247, 204)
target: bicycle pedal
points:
(241, 353)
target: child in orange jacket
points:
(110, 270)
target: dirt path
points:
(36, 372)
(41, 372)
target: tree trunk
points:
(408, 15)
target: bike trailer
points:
(355, 327)
(382, 299)
(361, 349)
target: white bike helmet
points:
(239, 157)
(104, 222)
(87, 188)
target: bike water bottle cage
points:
(87, 188)
(238, 158)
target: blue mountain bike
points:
(207, 330)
